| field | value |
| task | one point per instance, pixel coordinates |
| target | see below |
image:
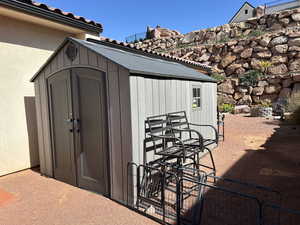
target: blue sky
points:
(123, 18)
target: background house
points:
(248, 11)
(29, 33)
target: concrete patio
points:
(256, 150)
(27, 198)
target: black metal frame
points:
(184, 200)
(221, 124)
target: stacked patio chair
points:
(182, 129)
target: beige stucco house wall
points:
(26, 42)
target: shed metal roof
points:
(145, 65)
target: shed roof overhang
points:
(139, 63)
(43, 11)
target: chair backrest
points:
(155, 125)
(178, 120)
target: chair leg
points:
(213, 163)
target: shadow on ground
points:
(273, 162)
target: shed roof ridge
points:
(147, 51)
(139, 55)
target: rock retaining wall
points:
(269, 44)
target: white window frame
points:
(197, 97)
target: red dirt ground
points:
(255, 150)
(261, 151)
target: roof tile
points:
(59, 11)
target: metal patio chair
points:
(164, 143)
(181, 128)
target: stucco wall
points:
(24, 47)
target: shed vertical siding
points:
(151, 96)
(207, 114)
(119, 114)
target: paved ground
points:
(31, 199)
(255, 150)
(264, 152)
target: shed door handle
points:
(77, 125)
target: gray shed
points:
(92, 98)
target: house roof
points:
(139, 63)
(55, 14)
(245, 3)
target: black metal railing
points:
(136, 37)
(191, 197)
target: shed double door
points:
(78, 112)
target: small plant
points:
(266, 104)
(224, 39)
(256, 33)
(227, 108)
(218, 77)
(251, 78)
(265, 65)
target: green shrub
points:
(218, 77)
(226, 108)
(251, 78)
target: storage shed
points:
(92, 98)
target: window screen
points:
(196, 103)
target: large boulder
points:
(265, 41)
(227, 60)
(262, 83)
(295, 65)
(264, 54)
(294, 42)
(245, 100)
(226, 87)
(258, 91)
(204, 57)
(285, 93)
(256, 64)
(296, 17)
(232, 68)
(228, 99)
(296, 77)
(247, 53)
(238, 95)
(272, 89)
(281, 49)
(279, 59)
(279, 40)
(238, 49)
(287, 82)
(268, 98)
(278, 69)
(241, 109)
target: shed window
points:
(196, 102)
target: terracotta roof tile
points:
(60, 12)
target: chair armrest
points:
(200, 137)
(210, 126)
